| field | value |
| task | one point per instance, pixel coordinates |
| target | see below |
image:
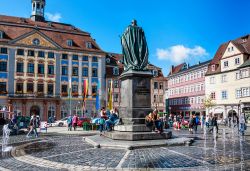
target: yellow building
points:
(42, 61)
(228, 78)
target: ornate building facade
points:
(186, 89)
(40, 61)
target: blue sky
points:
(176, 30)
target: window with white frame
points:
(191, 100)
(186, 100)
(202, 73)
(225, 64)
(237, 61)
(198, 87)
(244, 73)
(69, 42)
(245, 91)
(237, 75)
(212, 80)
(224, 94)
(238, 93)
(224, 78)
(202, 87)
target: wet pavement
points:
(224, 151)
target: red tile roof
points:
(242, 43)
(176, 69)
(15, 27)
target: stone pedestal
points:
(135, 105)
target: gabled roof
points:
(15, 27)
(242, 43)
(176, 69)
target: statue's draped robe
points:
(135, 49)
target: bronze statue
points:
(134, 48)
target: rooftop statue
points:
(134, 48)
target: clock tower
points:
(38, 7)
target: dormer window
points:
(155, 73)
(213, 67)
(108, 60)
(1, 34)
(89, 45)
(115, 71)
(70, 42)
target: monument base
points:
(135, 136)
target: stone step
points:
(134, 136)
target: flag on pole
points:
(110, 101)
(69, 89)
(85, 92)
(69, 94)
(97, 103)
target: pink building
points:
(186, 89)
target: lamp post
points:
(239, 110)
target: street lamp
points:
(239, 108)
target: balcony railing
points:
(37, 95)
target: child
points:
(101, 125)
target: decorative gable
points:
(35, 38)
(231, 50)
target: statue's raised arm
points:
(134, 48)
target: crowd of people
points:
(208, 122)
(108, 119)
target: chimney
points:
(172, 68)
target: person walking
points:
(191, 124)
(101, 125)
(74, 121)
(242, 123)
(207, 121)
(214, 123)
(32, 126)
(69, 122)
(196, 122)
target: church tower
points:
(38, 7)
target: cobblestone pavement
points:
(226, 151)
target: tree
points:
(208, 103)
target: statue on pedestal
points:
(134, 48)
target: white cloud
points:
(180, 53)
(54, 17)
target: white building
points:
(228, 78)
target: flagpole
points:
(70, 103)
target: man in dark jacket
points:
(214, 124)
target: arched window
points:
(64, 111)
(115, 71)
(78, 109)
(51, 111)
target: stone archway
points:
(232, 113)
(35, 110)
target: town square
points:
(124, 85)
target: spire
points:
(38, 7)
